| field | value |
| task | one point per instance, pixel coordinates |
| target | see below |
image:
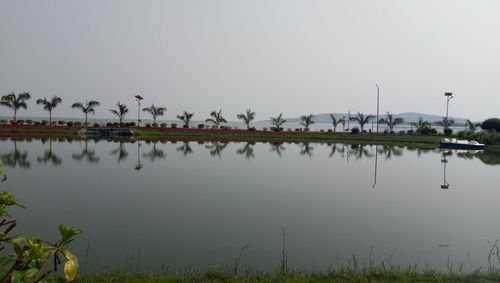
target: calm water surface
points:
(192, 205)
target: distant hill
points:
(409, 117)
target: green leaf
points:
(29, 275)
(67, 233)
(7, 199)
(53, 280)
(6, 261)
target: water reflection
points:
(216, 148)
(360, 151)
(277, 147)
(120, 152)
(390, 151)
(16, 158)
(444, 160)
(87, 154)
(154, 154)
(49, 156)
(306, 149)
(247, 150)
(138, 165)
(185, 148)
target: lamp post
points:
(449, 96)
(138, 98)
(378, 95)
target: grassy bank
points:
(368, 276)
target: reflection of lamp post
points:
(138, 166)
(445, 185)
(449, 96)
(376, 165)
(378, 92)
(138, 98)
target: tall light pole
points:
(138, 98)
(378, 95)
(449, 96)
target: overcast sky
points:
(295, 57)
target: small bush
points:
(448, 131)
(298, 129)
(61, 123)
(69, 124)
(185, 127)
(155, 125)
(201, 126)
(252, 129)
(131, 124)
(163, 125)
(355, 130)
(264, 129)
(491, 124)
(148, 125)
(37, 123)
(322, 131)
(3, 121)
(45, 122)
(20, 122)
(173, 125)
(410, 132)
(78, 124)
(29, 122)
(330, 130)
(109, 124)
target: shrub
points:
(109, 124)
(37, 123)
(322, 131)
(78, 124)
(3, 121)
(298, 129)
(131, 124)
(264, 129)
(252, 129)
(60, 123)
(410, 132)
(173, 125)
(448, 131)
(330, 130)
(201, 126)
(148, 125)
(155, 125)
(20, 122)
(29, 121)
(355, 130)
(491, 124)
(45, 122)
(116, 124)
(163, 125)
(276, 129)
(185, 127)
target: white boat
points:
(461, 144)
(106, 132)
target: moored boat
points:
(461, 144)
(105, 132)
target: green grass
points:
(347, 276)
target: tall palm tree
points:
(391, 121)
(155, 111)
(277, 122)
(247, 117)
(15, 102)
(307, 120)
(49, 105)
(120, 111)
(88, 108)
(342, 121)
(216, 119)
(362, 119)
(335, 122)
(471, 125)
(186, 118)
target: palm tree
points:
(421, 124)
(121, 111)
(89, 107)
(15, 102)
(342, 121)
(277, 122)
(186, 118)
(216, 119)
(155, 111)
(362, 119)
(391, 121)
(335, 122)
(49, 105)
(471, 126)
(247, 117)
(306, 121)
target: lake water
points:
(192, 206)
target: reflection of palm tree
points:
(185, 148)
(247, 150)
(277, 147)
(360, 151)
(306, 149)
(216, 148)
(334, 150)
(389, 151)
(49, 156)
(87, 154)
(154, 154)
(120, 152)
(16, 158)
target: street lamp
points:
(378, 94)
(138, 98)
(449, 96)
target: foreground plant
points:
(88, 108)
(33, 259)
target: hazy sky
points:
(295, 57)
